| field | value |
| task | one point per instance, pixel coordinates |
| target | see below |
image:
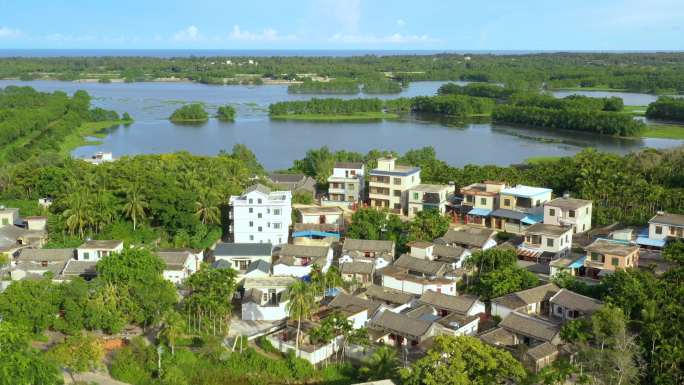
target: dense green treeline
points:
(33, 122)
(194, 112)
(605, 123)
(381, 86)
(643, 72)
(330, 106)
(667, 108)
(572, 102)
(452, 105)
(335, 86)
(226, 113)
(484, 90)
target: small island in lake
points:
(190, 113)
(226, 113)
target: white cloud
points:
(6, 32)
(400, 22)
(268, 34)
(191, 33)
(396, 38)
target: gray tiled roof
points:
(568, 203)
(457, 303)
(402, 324)
(357, 267)
(260, 265)
(498, 337)
(424, 266)
(605, 246)
(175, 260)
(344, 300)
(546, 229)
(76, 268)
(354, 165)
(470, 237)
(668, 219)
(574, 301)
(101, 244)
(526, 297)
(303, 251)
(368, 245)
(243, 249)
(531, 327)
(385, 294)
(258, 187)
(286, 178)
(45, 255)
(542, 350)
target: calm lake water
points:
(277, 143)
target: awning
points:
(646, 241)
(578, 263)
(313, 233)
(532, 219)
(529, 253)
(480, 212)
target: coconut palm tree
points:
(301, 304)
(381, 365)
(135, 205)
(77, 215)
(207, 210)
(171, 328)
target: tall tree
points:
(135, 205)
(301, 304)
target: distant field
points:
(542, 159)
(663, 130)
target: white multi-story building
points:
(260, 216)
(389, 185)
(346, 184)
(568, 211)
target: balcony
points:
(594, 264)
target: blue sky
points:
(344, 24)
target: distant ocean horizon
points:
(167, 53)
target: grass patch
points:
(542, 159)
(635, 110)
(78, 137)
(360, 116)
(663, 131)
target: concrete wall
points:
(417, 288)
(253, 312)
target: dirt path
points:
(93, 377)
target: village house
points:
(260, 215)
(454, 324)
(661, 228)
(416, 275)
(569, 212)
(315, 222)
(359, 272)
(351, 304)
(544, 242)
(86, 269)
(381, 253)
(180, 263)
(519, 207)
(479, 200)
(429, 197)
(452, 255)
(567, 305)
(394, 299)
(346, 185)
(94, 250)
(17, 233)
(400, 330)
(389, 184)
(444, 304)
(470, 238)
(242, 256)
(264, 298)
(294, 183)
(605, 256)
(37, 262)
(297, 260)
(529, 301)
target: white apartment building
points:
(346, 185)
(260, 216)
(428, 197)
(390, 183)
(94, 250)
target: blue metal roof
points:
(480, 212)
(313, 233)
(646, 241)
(578, 263)
(532, 219)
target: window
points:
(251, 224)
(397, 181)
(552, 212)
(86, 255)
(596, 257)
(571, 213)
(470, 198)
(251, 237)
(350, 187)
(259, 228)
(268, 224)
(259, 215)
(251, 201)
(483, 201)
(415, 210)
(397, 206)
(549, 242)
(276, 211)
(5, 221)
(615, 261)
(259, 201)
(251, 210)
(268, 211)
(416, 195)
(586, 211)
(43, 263)
(507, 202)
(397, 193)
(276, 225)
(659, 229)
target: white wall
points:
(96, 254)
(314, 357)
(417, 288)
(581, 222)
(253, 312)
(241, 217)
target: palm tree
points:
(333, 278)
(206, 209)
(135, 205)
(77, 215)
(172, 327)
(381, 365)
(301, 304)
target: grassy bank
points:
(664, 131)
(78, 137)
(635, 110)
(337, 118)
(541, 159)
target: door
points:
(321, 219)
